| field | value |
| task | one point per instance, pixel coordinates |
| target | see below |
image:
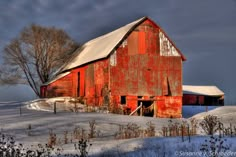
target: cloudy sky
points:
(205, 31)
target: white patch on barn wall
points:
(113, 60)
(124, 43)
(166, 48)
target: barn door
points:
(78, 85)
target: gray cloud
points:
(203, 30)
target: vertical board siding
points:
(141, 71)
(132, 43)
(81, 83)
(170, 107)
(141, 43)
(61, 87)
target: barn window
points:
(123, 100)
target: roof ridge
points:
(107, 34)
(102, 46)
(77, 54)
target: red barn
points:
(135, 64)
(202, 95)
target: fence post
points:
(231, 130)
(189, 133)
(141, 109)
(154, 108)
(85, 102)
(219, 127)
(55, 107)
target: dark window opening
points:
(168, 88)
(139, 102)
(140, 97)
(197, 100)
(147, 109)
(213, 101)
(123, 100)
(78, 85)
(221, 101)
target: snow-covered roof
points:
(101, 47)
(202, 90)
(57, 78)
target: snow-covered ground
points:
(189, 111)
(39, 114)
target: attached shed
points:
(202, 95)
(133, 65)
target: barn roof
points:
(102, 46)
(202, 90)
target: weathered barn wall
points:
(193, 99)
(138, 69)
(61, 87)
(169, 106)
(96, 82)
(67, 85)
(78, 82)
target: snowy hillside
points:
(39, 115)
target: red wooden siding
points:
(43, 91)
(61, 87)
(141, 43)
(96, 79)
(133, 42)
(192, 99)
(78, 82)
(89, 84)
(169, 106)
(100, 79)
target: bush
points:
(92, 128)
(52, 138)
(9, 148)
(83, 147)
(131, 130)
(210, 124)
(150, 131)
(214, 147)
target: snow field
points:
(42, 120)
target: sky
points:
(204, 31)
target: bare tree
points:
(35, 55)
(210, 124)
